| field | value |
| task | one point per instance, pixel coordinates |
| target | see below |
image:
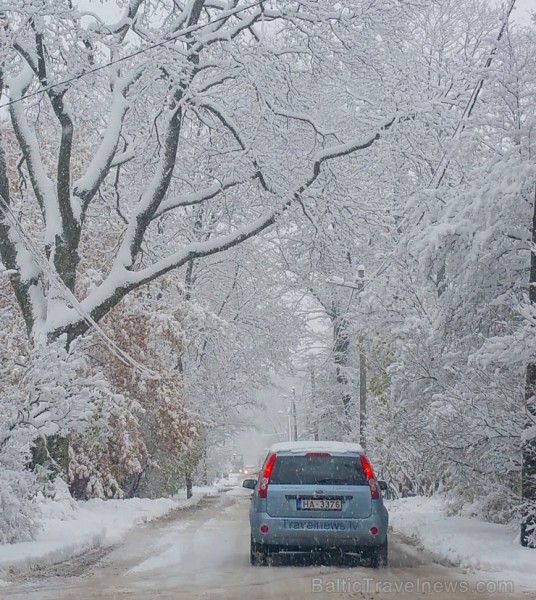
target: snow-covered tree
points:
(459, 362)
(191, 112)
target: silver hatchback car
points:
(317, 496)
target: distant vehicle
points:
(317, 496)
(237, 463)
(250, 470)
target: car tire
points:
(379, 555)
(258, 557)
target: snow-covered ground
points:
(467, 542)
(71, 528)
(219, 533)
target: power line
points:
(182, 33)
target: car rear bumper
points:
(309, 533)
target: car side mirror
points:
(383, 485)
(249, 483)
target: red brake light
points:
(369, 473)
(367, 468)
(265, 477)
(318, 454)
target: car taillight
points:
(318, 454)
(369, 474)
(262, 490)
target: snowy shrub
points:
(46, 394)
(108, 452)
(56, 390)
(18, 517)
(17, 514)
(139, 445)
(530, 524)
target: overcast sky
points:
(522, 10)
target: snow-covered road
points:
(203, 552)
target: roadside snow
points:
(72, 528)
(466, 542)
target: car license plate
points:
(319, 504)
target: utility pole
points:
(291, 415)
(294, 418)
(313, 401)
(358, 285)
(289, 424)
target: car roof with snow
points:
(316, 446)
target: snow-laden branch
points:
(122, 279)
(119, 29)
(200, 249)
(296, 116)
(42, 185)
(27, 246)
(6, 272)
(65, 245)
(124, 157)
(300, 15)
(86, 187)
(197, 197)
(154, 193)
(351, 146)
(216, 33)
(216, 80)
(22, 268)
(127, 21)
(224, 117)
(228, 122)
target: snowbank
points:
(72, 528)
(469, 543)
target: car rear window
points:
(318, 470)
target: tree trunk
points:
(52, 452)
(313, 402)
(205, 462)
(528, 474)
(341, 359)
(189, 492)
